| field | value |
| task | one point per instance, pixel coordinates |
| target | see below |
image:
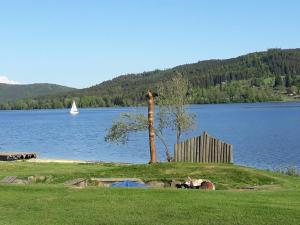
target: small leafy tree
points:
(131, 123)
(172, 99)
(172, 113)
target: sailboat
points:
(74, 110)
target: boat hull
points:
(74, 113)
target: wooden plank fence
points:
(203, 149)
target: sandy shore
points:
(58, 161)
(72, 161)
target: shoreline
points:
(71, 161)
(119, 106)
(56, 161)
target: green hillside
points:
(272, 75)
(243, 195)
(203, 74)
(10, 92)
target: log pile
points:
(10, 156)
(194, 184)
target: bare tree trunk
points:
(168, 155)
(151, 127)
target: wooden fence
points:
(204, 149)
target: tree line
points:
(211, 81)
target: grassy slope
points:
(13, 92)
(55, 204)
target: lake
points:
(264, 135)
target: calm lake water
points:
(264, 135)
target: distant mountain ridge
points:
(11, 92)
(254, 77)
(203, 74)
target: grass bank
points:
(50, 202)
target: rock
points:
(102, 184)
(8, 179)
(248, 188)
(39, 178)
(82, 184)
(20, 181)
(31, 179)
(178, 184)
(175, 184)
(79, 182)
(207, 185)
(13, 180)
(157, 184)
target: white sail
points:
(74, 110)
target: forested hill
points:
(260, 76)
(9, 92)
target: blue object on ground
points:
(128, 183)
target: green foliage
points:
(126, 124)
(288, 170)
(288, 81)
(131, 123)
(173, 95)
(278, 81)
(236, 91)
(129, 90)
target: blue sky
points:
(82, 43)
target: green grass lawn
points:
(50, 202)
